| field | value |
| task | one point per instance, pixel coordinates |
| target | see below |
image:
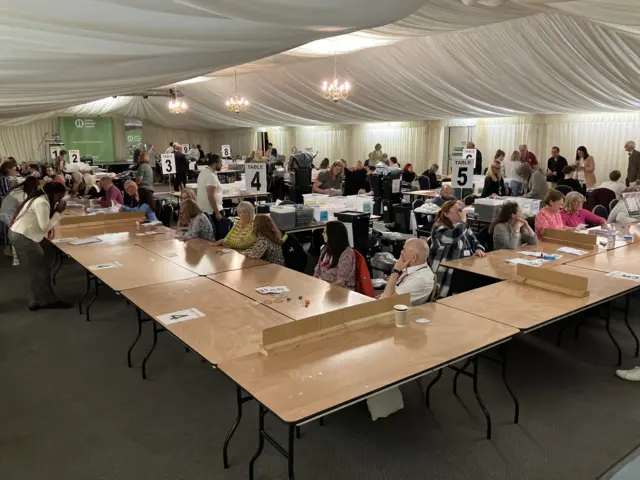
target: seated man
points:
(111, 193)
(411, 273)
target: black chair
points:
(532, 222)
(601, 211)
(564, 189)
(424, 183)
(486, 239)
(612, 204)
(295, 257)
(469, 200)
(416, 204)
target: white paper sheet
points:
(269, 290)
(625, 276)
(349, 227)
(84, 241)
(104, 266)
(180, 316)
(572, 251)
(532, 263)
(64, 240)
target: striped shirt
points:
(240, 238)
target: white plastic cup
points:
(401, 315)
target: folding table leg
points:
(516, 415)
(139, 317)
(487, 416)
(261, 413)
(153, 346)
(431, 384)
(240, 400)
(608, 326)
(626, 322)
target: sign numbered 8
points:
(225, 150)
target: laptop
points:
(632, 202)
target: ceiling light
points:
(334, 90)
(237, 104)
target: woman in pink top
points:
(549, 216)
(574, 215)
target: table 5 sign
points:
(462, 174)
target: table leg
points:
(263, 435)
(97, 284)
(240, 400)
(458, 372)
(140, 321)
(261, 413)
(153, 346)
(290, 456)
(487, 416)
(516, 415)
(431, 384)
(55, 272)
(608, 326)
(85, 293)
(626, 322)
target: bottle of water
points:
(611, 238)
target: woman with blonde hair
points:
(185, 194)
(268, 244)
(199, 224)
(329, 182)
(573, 215)
(493, 182)
(241, 235)
(510, 167)
(77, 184)
(91, 187)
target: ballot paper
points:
(64, 240)
(180, 316)
(532, 263)
(104, 266)
(545, 256)
(572, 251)
(84, 241)
(269, 290)
(624, 275)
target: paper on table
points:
(545, 256)
(532, 263)
(64, 240)
(84, 241)
(180, 316)
(624, 275)
(349, 232)
(572, 251)
(268, 290)
(104, 266)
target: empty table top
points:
(124, 267)
(125, 234)
(625, 259)
(324, 375)
(232, 324)
(527, 307)
(201, 256)
(323, 296)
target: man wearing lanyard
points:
(209, 195)
(528, 157)
(411, 273)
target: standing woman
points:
(33, 220)
(585, 167)
(329, 182)
(451, 239)
(510, 167)
(10, 205)
(337, 262)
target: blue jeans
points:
(516, 188)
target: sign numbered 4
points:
(255, 177)
(168, 162)
(462, 174)
(225, 150)
(74, 156)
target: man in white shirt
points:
(411, 273)
(170, 149)
(209, 194)
(613, 184)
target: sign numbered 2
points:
(255, 177)
(168, 162)
(225, 150)
(74, 156)
(462, 175)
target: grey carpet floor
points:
(70, 409)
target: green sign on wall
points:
(91, 135)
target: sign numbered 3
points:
(255, 177)
(225, 150)
(74, 156)
(462, 175)
(168, 162)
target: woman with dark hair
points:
(337, 262)
(431, 175)
(10, 204)
(408, 175)
(510, 229)
(451, 239)
(585, 167)
(34, 219)
(7, 178)
(324, 165)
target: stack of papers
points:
(545, 256)
(84, 241)
(572, 251)
(269, 290)
(532, 263)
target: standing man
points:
(555, 165)
(477, 170)
(60, 161)
(144, 179)
(209, 194)
(201, 152)
(170, 149)
(633, 171)
(182, 168)
(528, 157)
(375, 157)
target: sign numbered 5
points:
(74, 156)
(168, 162)
(225, 150)
(255, 177)
(462, 174)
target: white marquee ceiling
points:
(435, 59)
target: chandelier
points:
(237, 104)
(335, 90)
(175, 105)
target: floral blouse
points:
(345, 269)
(263, 249)
(199, 227)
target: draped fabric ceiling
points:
(407, 60)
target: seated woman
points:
(451, 239)
(77, 184)
(408, 175)
(91, 187)
(549, 216)
(534, 183)
(494, 183)
(573, 214)
(337, 262)
(446, 195)
(268, 244)
(431, 175)
(510, 230)
(241, 236)
(185, 194)
(570, 181)
(132, 202)
(329, 182)
(199, 224)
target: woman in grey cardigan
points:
(511, 230)
(534, 183)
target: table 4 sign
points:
(255, 177)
